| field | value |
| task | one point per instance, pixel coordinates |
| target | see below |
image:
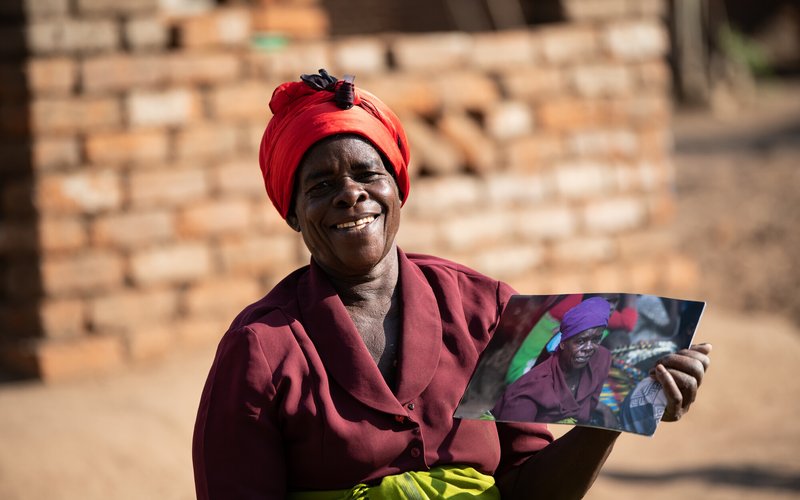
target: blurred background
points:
(644, 146)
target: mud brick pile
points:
(133, 218)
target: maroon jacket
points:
(295, 402)
(542, 394)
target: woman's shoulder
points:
(282, 299)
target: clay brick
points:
(78, 192)
(116, 7)
(530, 154)
(422, 236)
(72, 36)
(222, 298)
(122, 72)
(601, 80)
(479, 152)
(642, 110)
(54, 152)
(127, 146)
(239, 177)
(636, 40)
(74, 115)
(171, 264)
(92, 271)
(52, 76)
(655, 143)
(471, 230)
(289, 62)
(126, 311)
(645, 242)
(59, 233)
(508, 260)
(583, 180)
(433, 51)
(546, 223)
(167, 186)
(594, 10)
(533, 84)
(614, 215)
(200, 332)
(36, 9)
(293, 21)
(508, 120)
(661, 209)
(246, 100)
(145, 33)
(222, 27)
(604, 143)
(359, 55)
(206, 141)
(59, 360)
(568, 43)
(250, 133)
(431, 149)
(445, 196)
(506, 189)
(470, 90)
(62, 318)
(649, 8)
(150, 343)
(214, 217)
(267, 220)
(570, 114)
(503, 49)
(260, 254)
(583, 250)
(177, 106)
(406, 93)
(653, 75)
(132, 229)
(197, 68)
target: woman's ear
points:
(291, 219)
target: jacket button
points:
(415, 453)
(410, 406)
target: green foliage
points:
(743, 51)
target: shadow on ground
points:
(753, 477)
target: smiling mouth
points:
(356, 224)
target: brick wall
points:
(134, 219)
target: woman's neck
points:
(371, 289)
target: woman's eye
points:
(319, 186)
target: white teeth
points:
(360, 222)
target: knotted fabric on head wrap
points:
(317, 107)
(588, 314)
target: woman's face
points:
(578, 350)
(346, 205)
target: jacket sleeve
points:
(237, 447)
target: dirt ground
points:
(128, 436)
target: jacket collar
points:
(345, 355)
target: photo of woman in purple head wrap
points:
(565, 386)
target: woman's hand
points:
(680, 375)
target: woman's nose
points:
(350, 193)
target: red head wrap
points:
(303, 114)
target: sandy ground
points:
(128, 436)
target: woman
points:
(565, 386)
(343, 380)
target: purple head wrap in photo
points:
(588, 314)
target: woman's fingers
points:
(680, 375)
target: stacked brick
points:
(134, 220)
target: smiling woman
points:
(342, 381)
